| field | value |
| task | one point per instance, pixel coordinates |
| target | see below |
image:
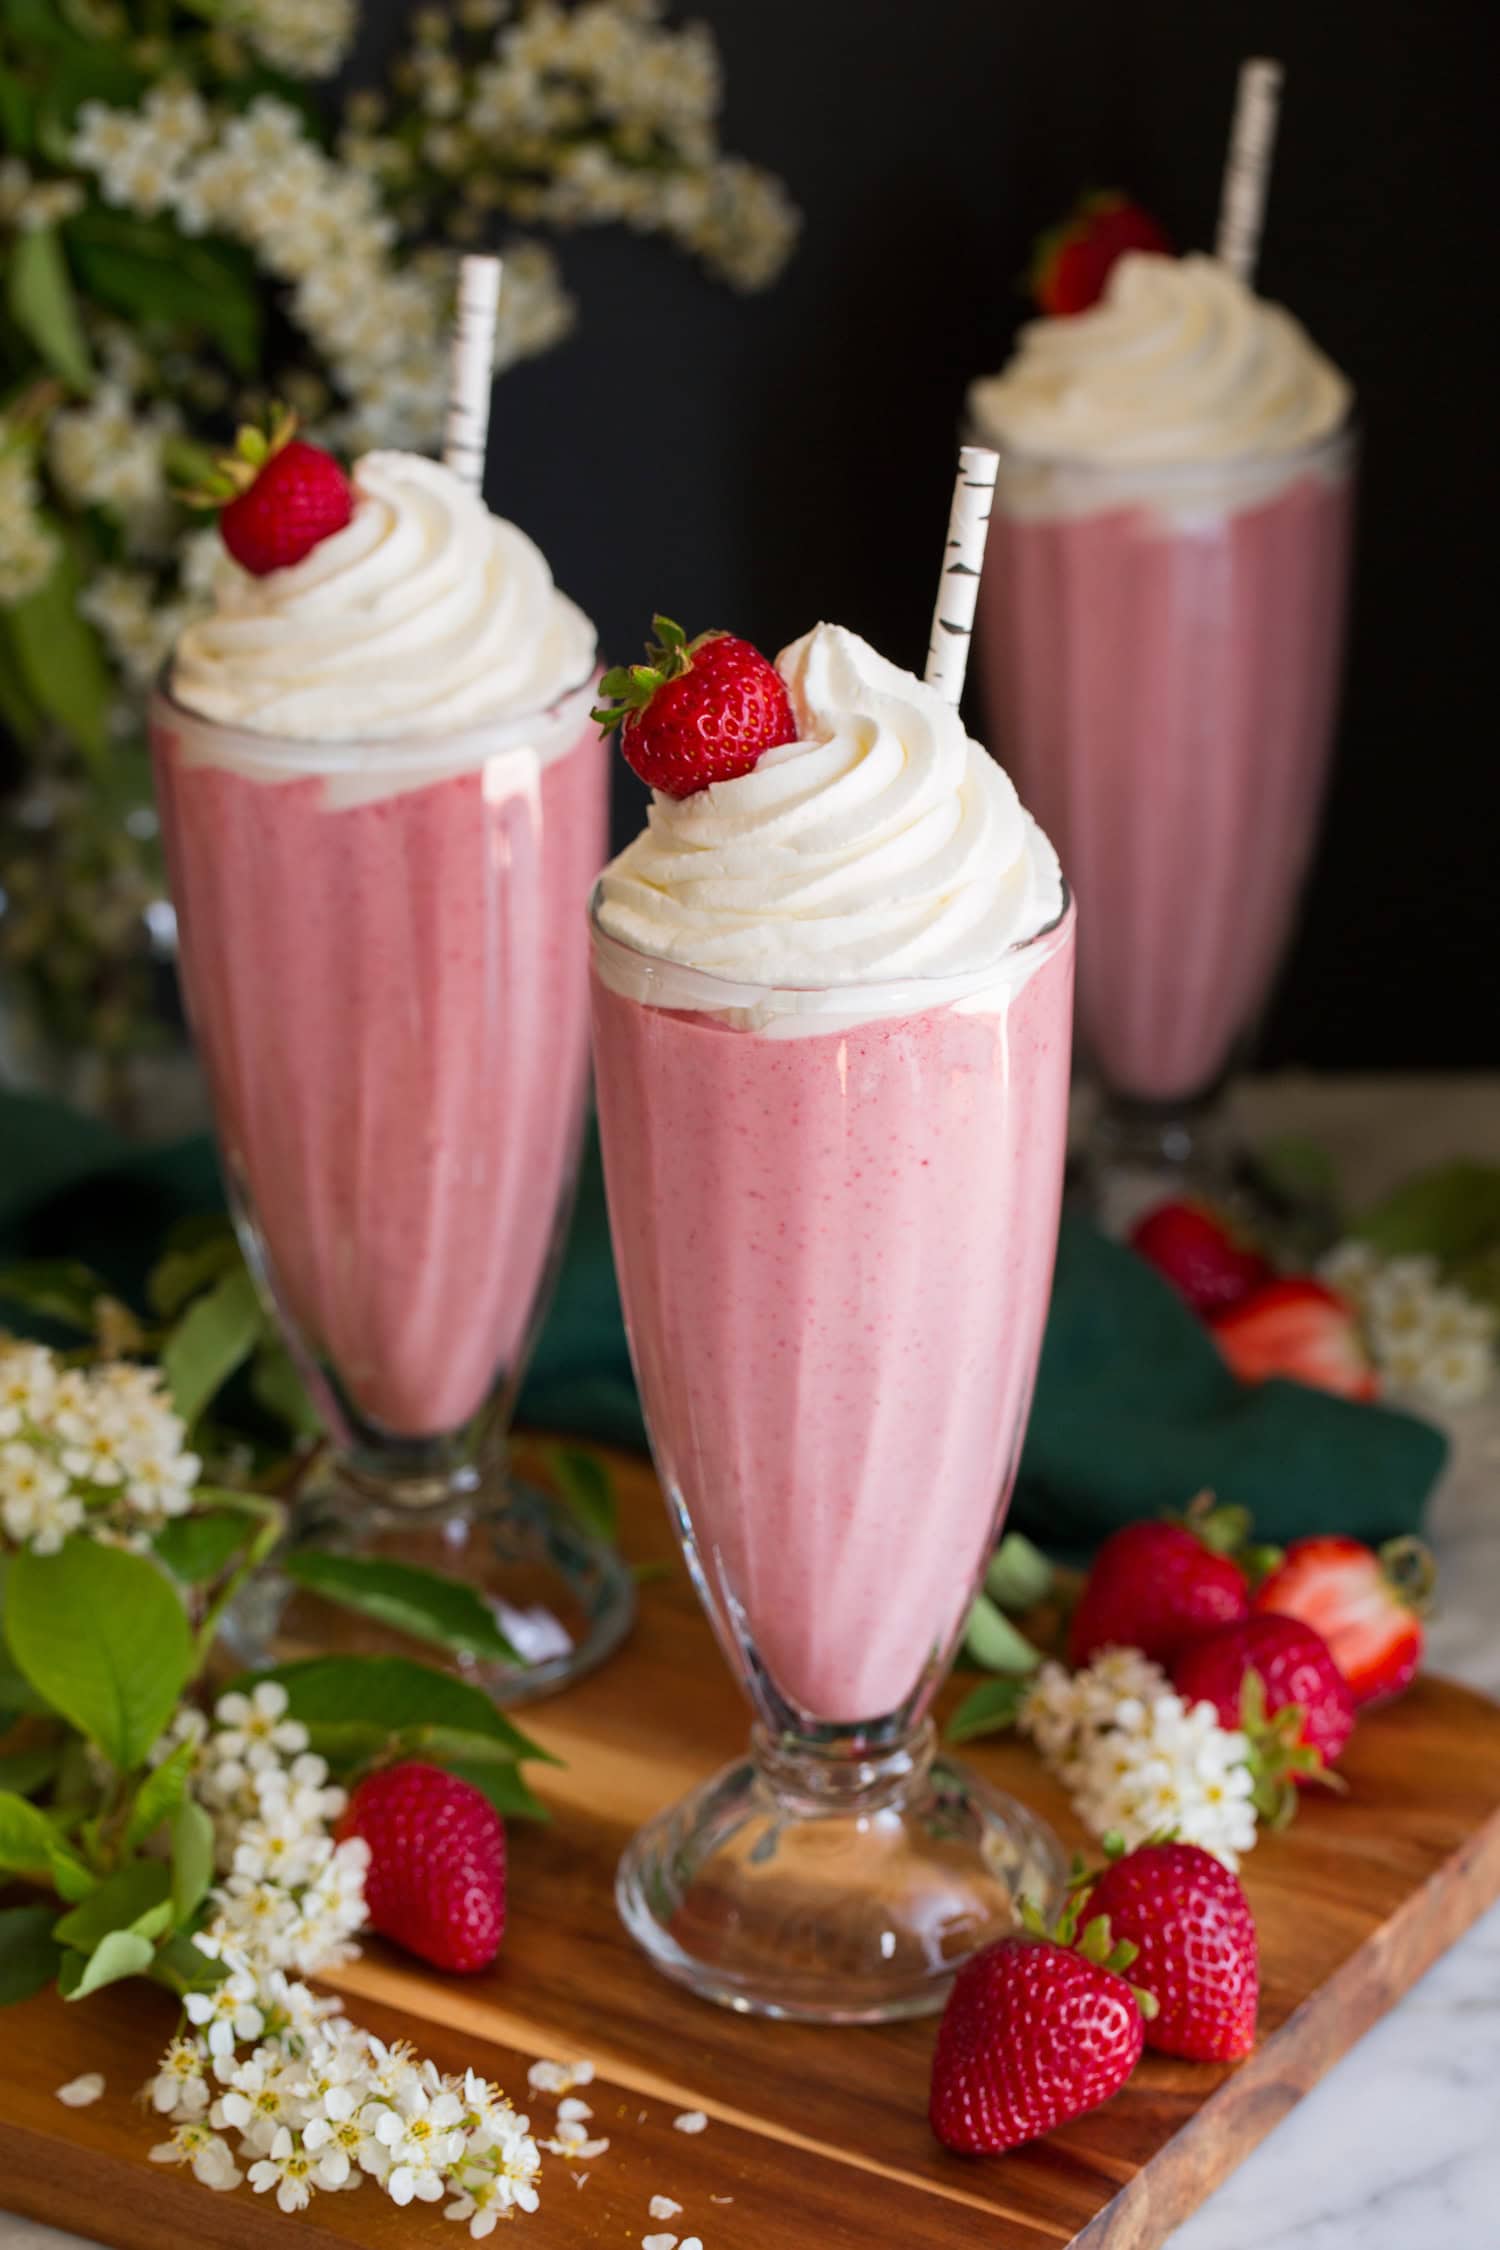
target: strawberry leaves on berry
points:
(277, 496)
(1094, 1939)
(697, 711)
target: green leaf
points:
(1451, 1213)
(584, 1484)
(991, 1708)
(423, 1603)
(25, 1771)
(146, 269)
(103, 1638)
(994, 1642)
(72, 1878)
(57, 1289)
(215, 1335)
(39, 290)
(505, 1786)
(1019, 1575)
(394, 1695)
(198, 1549)
(276, 1386)
(182, 1968)
(26, 1838)
(181, 1274)
(29, 1954)
(59, 658)
(15, 113)
(159, 1795)
(124, 1953)
(192, 1858)
(123, 1902)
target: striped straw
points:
(963, 560)
(471, 369)
(1247, 171)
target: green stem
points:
(266, 1539)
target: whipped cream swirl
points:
(882, 845)
(1178, 362)
(424, 615)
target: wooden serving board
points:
(813, 2135)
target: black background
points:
(762, 462)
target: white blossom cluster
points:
(27, 203)
(28, 550)
(1436, 1342)
(270, 2082)
(316, 224)
(1137, 1760)
(303, 38)
(96, 1448)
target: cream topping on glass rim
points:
(1178, 367)
(423, 617)
(877, 865)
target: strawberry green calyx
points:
(1095, 1941)
(1279, 1758)
(632, 686)
(234, 472)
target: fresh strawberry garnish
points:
(1275, 1678)
(1196, 1952)
(436, 1879)
(1202, 1257)
(1034, 2033)
(277, 496)
(1301, 1328)
(1367, 1606)
(1156, 1586)
(697, 711)
(1072, 262)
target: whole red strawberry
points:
(1276, 1678)
(1073, 262)
(278, 497)
(436, 1880)
(698, 711)
(1196, 1950)
(1301, 1328)
(1205, 1261)
(1156, 1586)
(1032, 2035)
(1367, 1606)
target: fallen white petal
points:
(662, 2207)
(659, 2242)
(721, 2199)
(573, 2109)
(690, 2242)
(79, 2092)
(690, 2121)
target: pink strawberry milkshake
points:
(383, 803)
(1160, 633)
(832, 1005)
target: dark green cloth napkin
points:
(1135, 1411)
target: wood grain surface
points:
(818, 2136)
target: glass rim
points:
(1345, 434)
(956, 981)
(444, 740)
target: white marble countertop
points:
(1398, 2148)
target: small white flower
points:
(209, 2157)
(559, 2078)
(288, 2169)
(258, 1720)
(230, 2012)
(80, 2093)
(180, 2088)
(571, 2142)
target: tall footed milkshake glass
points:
(832, 1007)
(1160, 641)
(384, 802)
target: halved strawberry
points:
(1072, 262)
(1367, 1606)
(1301, 1328)
(1202, 1256)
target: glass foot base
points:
(1140, 1154)
(833, 1891)
(562, 1599)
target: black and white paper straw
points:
(471, 369)
(1247, 171)
(963, 560)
